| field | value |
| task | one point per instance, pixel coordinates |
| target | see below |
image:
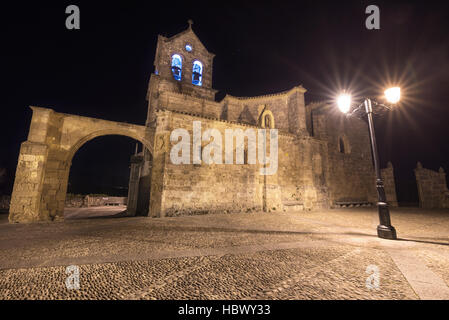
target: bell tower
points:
(182, 65)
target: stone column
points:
(42, 171)
(28, 184)
(30, 173)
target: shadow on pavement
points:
(425, 241)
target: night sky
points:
(103, 69)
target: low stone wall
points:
(4, 202)
(92, 201)
(75, 201)
(79, 201)
(432, 188)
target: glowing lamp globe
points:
(344, 102)
(393, 95)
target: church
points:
(324, 159)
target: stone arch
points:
(45, 158)
(99, 133)
(266, 120)
(140, 174)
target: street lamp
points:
(393, 95)
(384, 230)
(344, 102)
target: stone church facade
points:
(324, 159)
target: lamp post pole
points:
(384, 230)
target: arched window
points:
(343, 145)
(176, 66)
(197, 73)
(266, 120)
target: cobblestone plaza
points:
(315, 255)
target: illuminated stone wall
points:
(351, 172)
(207, 188)
(432, 187)
(300, 183)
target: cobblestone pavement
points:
(307, 255)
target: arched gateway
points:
(45, 158)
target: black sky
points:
(102, 70)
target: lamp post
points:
(384, 230)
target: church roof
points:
(268, 96)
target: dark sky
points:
(102, 70)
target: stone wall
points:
(303, 173)
(75, 201)
(301, 181)
(203, 188)
(432, 187)
(184, 103)
(314, 172)
(351, 172)
(97, 201)
(81, 201)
